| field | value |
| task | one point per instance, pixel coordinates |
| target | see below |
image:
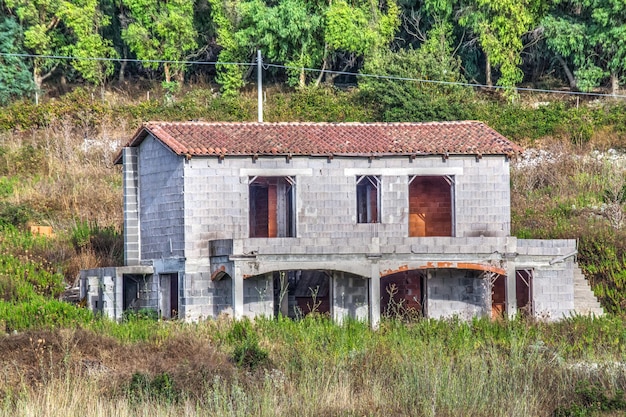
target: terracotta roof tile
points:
(296, 138)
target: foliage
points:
(589, 33)
(299, 34)
(15, 77)
(591, 398)
(417, 99)
(246, 352)
(499, 26)
(161, 31)
(42, 313)
(63, 27)
(159, 388)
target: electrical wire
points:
(355, 74)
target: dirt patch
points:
(35, 357)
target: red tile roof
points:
(349, 139)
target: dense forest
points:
(575, 45)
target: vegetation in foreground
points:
(313, 367)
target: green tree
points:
(161, 30)
(299, 33)
(15, 77)
(407, 100)
(499, 26)
(289, 32)
(230, 77)
(590, 35)
(84, 19)
(54, 27)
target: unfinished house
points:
(345, 219)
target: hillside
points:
(56, 166)
(58, 359)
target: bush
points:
(247, 353)
(159, 388)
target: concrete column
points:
(237, 279)
(374, 298)
(132, 235)
(511, 294)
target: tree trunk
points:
(568, 73)
(123, 64)
(38, 82)
(614, 84)
(488, 71)
(166, 68)
(302, 78)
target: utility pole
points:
(259, 63)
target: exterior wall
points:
(350, 297)
(553, 275)
(216, 193)
(258, 296)
(456, 293)
(185, 204)
(161, 201)
(102, 289)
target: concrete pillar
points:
(374, 298)
(511, 294)
(237, 279)
(132, 238)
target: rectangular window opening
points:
(368, 199)
(272, 206)
(523, 291)
(431, 206)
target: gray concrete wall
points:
(258, 296)
(553, 276)
(161, 201)
(216, 193)
(130, 181)
(459, 293)
(349, 296)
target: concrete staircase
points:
(585, 302)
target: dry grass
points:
(315, 369)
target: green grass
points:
(316, 368)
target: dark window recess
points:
(431, 206)
(523, 291)
(272, 207)
(498, 296)
(368, 199)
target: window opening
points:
(272, 206)
(523, 291)
(169, 296)
(403, 295)
(368, 199)
(431, 206)
(497, 283)
(298, 293)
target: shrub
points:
(159, 388)
(246, 353)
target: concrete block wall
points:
(349, 297)
(459, 293)
(553, 292)
(483, 197)
(217, 203)
(148, 293)
(130, 181)
(161, 201)
(258, 296)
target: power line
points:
(365, 75)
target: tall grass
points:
(317, 368)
